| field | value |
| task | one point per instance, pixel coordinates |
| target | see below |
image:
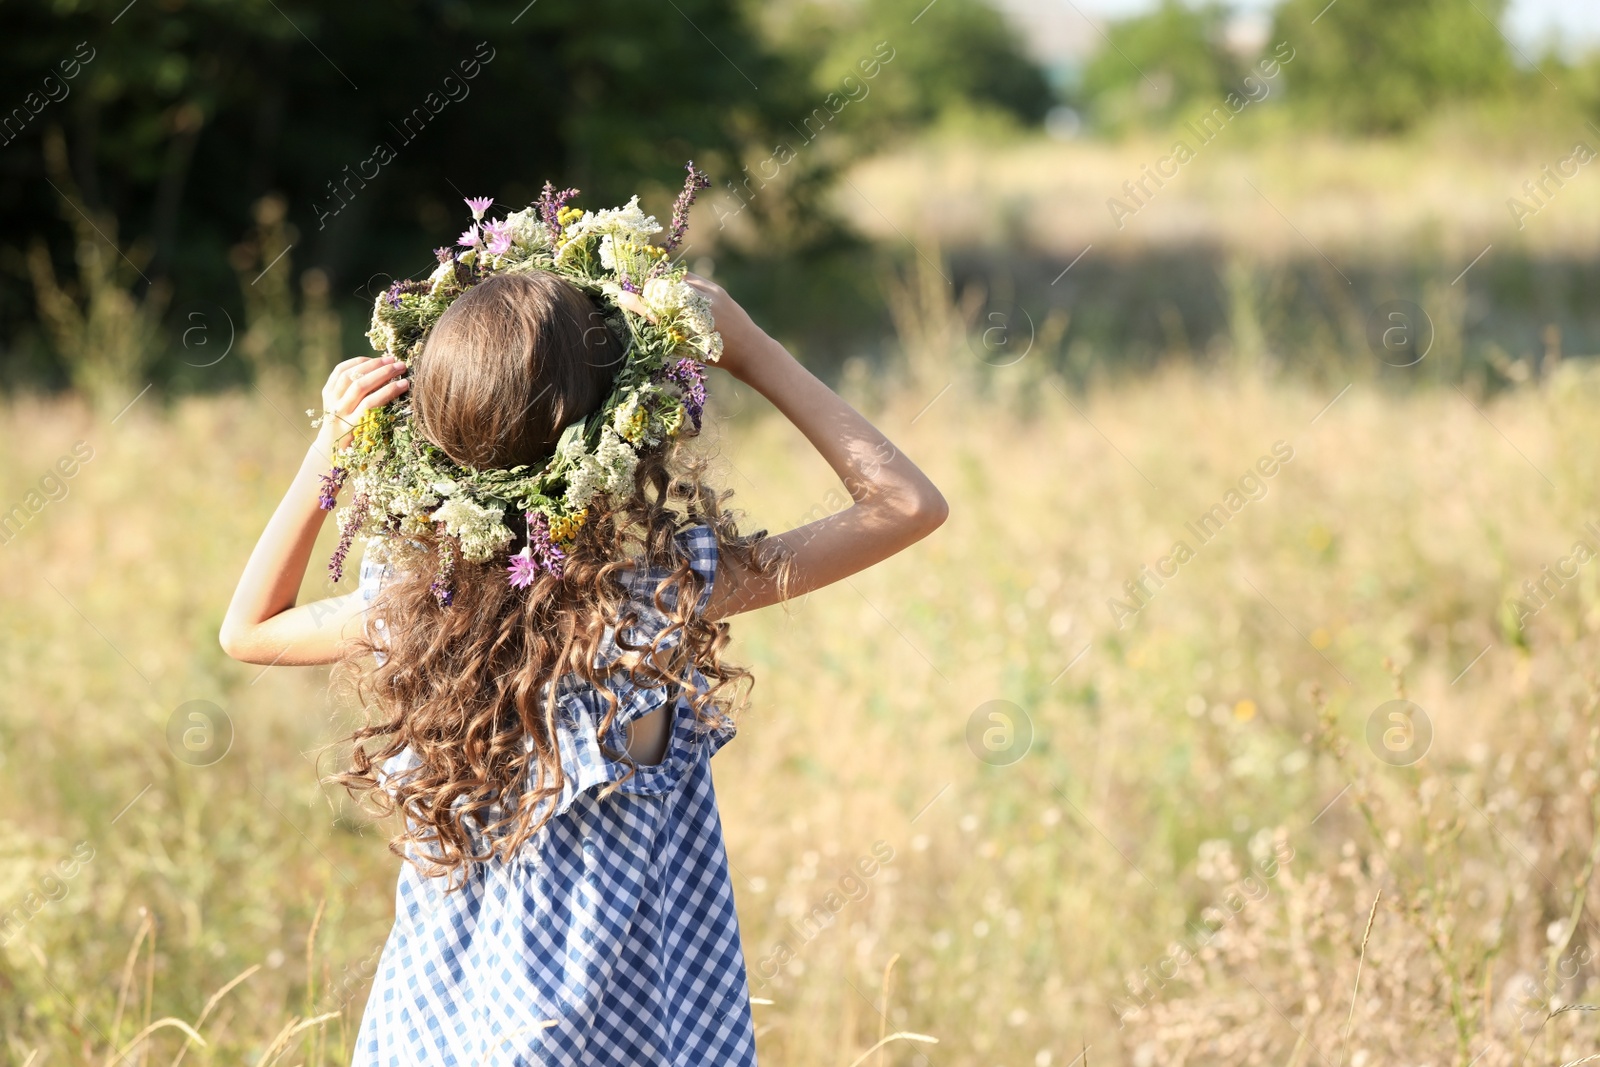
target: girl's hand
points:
(355, 387)
(743, 342)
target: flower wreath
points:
(403, 485)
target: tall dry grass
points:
(1198, 859)
(1262, 185)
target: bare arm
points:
(263, 624)
(894, 503)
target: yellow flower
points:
(565, 528)
(637, 422)
(365, 435)
(568, 215)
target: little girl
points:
(566, 897)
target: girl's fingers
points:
(381, 396)
(344, 365)
(366, 383)
(633, 303)
(352, 370)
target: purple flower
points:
(443, 584)
(332, 482)
(479, 204)
(347, 536)
(692, 185)
(444, 254)
(550, 203)
(398, 289)
(540, 554)
(499, 235)
(470, 238)
(690, 377)
(523, 569)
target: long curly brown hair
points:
(470, 689)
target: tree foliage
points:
(1384, 65)
(1363, 66)
(1154, 64)
(949, 56)
(371, 121)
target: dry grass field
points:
(1259, 184)
(1196, 833)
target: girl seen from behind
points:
(539, 633)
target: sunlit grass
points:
(1170, 759)
(1261, 187)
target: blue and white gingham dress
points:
(610, 939)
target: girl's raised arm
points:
(263, 623)
(895, 505)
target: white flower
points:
(570, 447)
(582, 484)
(695, 313)
(617, 459)
(443, 273)
(685, 305)
(406, 502)
(480, 528)
(381, 334)
(607, 470)
(382, 337)
(710, 345)
(628, 221)
(662, 295)
(528, 229)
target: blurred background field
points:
(1198, 835)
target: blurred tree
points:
(1383, 65)
(930, 60)
(877, 70)
(1154, 64)
(369, 121)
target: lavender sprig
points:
(332, 482)
(352, 523)
(689, 376)
(550, 203)
(539, 554)
(697, 180)
(443, 584)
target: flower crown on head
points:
(403, 485)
